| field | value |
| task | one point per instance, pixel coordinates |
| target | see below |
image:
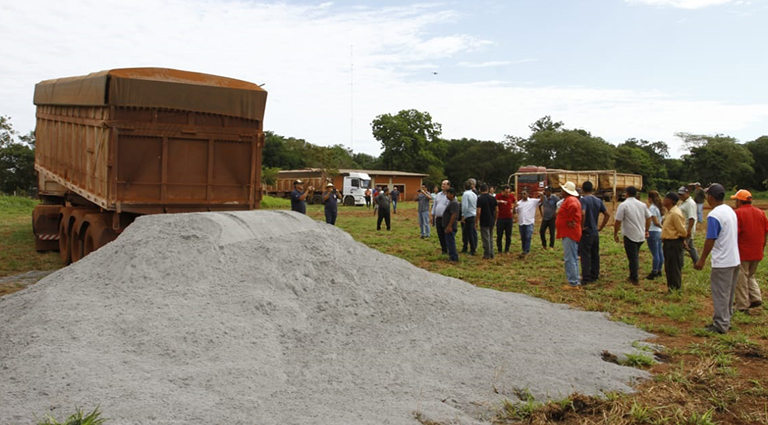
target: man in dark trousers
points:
(673, 235)
(451, 218)
(633, 218)
(589, 245)
(486, 211)
(548, 211)
(438, 208)
(382, 200)
(331, 198)
(299, 197)
(506, 204)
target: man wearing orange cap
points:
(753, 233)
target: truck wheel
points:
(317, 199)
(76, 242)
(98, 233)
(64, 247)
(349, 200)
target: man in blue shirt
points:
(299, 197)
(331, 198)
(589, 245)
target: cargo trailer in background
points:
(113, 145)
(608, 184)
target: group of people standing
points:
(736, 239)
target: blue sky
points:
(483, 69)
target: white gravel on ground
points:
(270, 317)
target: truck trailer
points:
(608, 184)
(117, 144)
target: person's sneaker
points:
(754, 304)
(571, 287)
(714, 329)
(651, 276)
(633, 281)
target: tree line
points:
(411, 141)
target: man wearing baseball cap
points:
(299, 197)
(722, 242)
(753, 234)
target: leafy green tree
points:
(718, 159)
(552, 146)
(410, 141)
(366, 162)
(17, 160)
(278, 153)
(644, 158)
(759, 150)
(487, 161)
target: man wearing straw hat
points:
(568, 225)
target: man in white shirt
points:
(468, 219)
(438, 208)
(688, 208)
(634, 220)
(723, 242)
(526, 215)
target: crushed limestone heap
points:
(269, 317)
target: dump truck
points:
(608, 184)
(117, 144)
(352, 184)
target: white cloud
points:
(683, 4)
(329, 71)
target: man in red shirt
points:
(506, 203)
(568, 226)
(753, 233)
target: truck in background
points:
(352, 184)
(116, 144)
(608, 184)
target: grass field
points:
(700, 378)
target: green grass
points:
(77, 418)
(17, 243)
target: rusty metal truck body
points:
(608, 184)
(116, 144)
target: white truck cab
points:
(354, 188)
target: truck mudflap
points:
(45, 226)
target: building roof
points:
(357, 170)
(384, 172)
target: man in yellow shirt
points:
(673, 235)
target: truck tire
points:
(98, 233)
(349, 200)
(64, 235)
(317, 199)
(76, 242)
